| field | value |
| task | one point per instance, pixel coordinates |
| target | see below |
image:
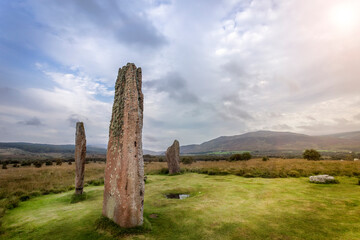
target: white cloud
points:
(243, 65)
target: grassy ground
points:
(274, 168)
(25, 182)
(220, 207)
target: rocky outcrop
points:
(124, 172)
(173, 157)
(80, 155)
(322, 179)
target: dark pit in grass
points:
(177, 196)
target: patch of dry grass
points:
(273, 168)
(13, 181)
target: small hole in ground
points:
(177, 196)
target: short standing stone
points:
(322, 179)
(173, 157)
(80, 155)
(124, 172)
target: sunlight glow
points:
(345, 16)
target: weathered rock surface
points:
(322, 179)
(173, 157)
(80, 155)
(124, 172)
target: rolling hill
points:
(276, 141)
(260, 141)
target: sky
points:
(210, 68)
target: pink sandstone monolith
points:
(80, 155)
(124, 172)
(173, 157)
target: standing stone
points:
(124, 172)
(173, 157)
(80, 155)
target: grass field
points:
(220, 207)
(21, 184)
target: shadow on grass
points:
(75, 198)
(106, 225)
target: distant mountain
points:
(276, 141)
(261, 141)
(154, 153)
(347, 135)
(48, 148)
(23, 148)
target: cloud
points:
(249, 65)
(74, 118)
(118, 19)
(32, 122)
(175, 86)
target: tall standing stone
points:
(124, 172)
(80, 155)
(173, 157)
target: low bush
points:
(35, 194)
(24, 197)
(97, 182)
(293, 173)
(25, 163)
(240, 157)
(38, 164)
(12, 203)
(48, 163)
(187, 160)
(18, 192)
(311, 154)
(248, 175)
(265, 159)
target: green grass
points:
(75, 198)
(220, 207)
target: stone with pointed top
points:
(173, 158)
(80, 155)
(124, 172)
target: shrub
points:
(235, 157)
(240, 157)
(311, 154)
(19, 192)
(38, 164)
(248, 175)
(246, 156)
(25, 163)
(293, 173)
(12, 203)
(24, 197)
(96, 182)
(69, 163)
(4, 166)
(265, 159)
(35, 194)
(187, 160)
(164, 171)
(49, 163)
(58, 162)
(16, 165)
